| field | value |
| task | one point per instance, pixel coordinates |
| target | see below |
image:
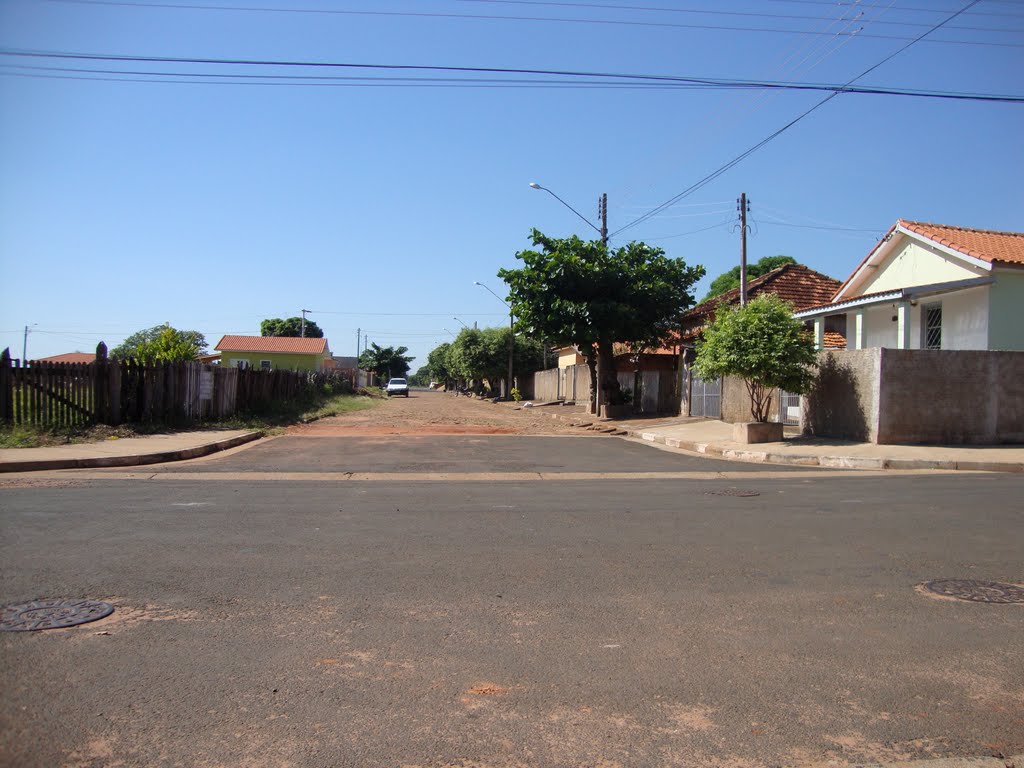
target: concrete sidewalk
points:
(714, 438)
(125, 452)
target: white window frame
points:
(266, 365)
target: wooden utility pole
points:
(743, 206)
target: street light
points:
(511, 336)
(460, 322)
(602, 213)
(602, 210)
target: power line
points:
(610, 78)
(739, 158)
(908, 8)
(494, 17)
(741, 14)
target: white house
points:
(930, 286)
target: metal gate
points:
(789, 408)
(706, 398)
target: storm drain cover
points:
(51, 614)
(732, 492)
(975, 591)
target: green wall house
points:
(274, 353)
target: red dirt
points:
(440, 413)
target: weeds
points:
(271, 419)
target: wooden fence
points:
(47, 395)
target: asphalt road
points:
(265, 620)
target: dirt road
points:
(442, 413)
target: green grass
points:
(281, 415)
(271, 420)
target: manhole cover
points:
(52, 614)
(976, 591)
(732, 492)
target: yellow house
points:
(275, 353)
(568, 356)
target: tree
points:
(437, 362)
(385, 362)
(576, 292)
(763, 344)
(479, 354)
(275, 326)
(731, 279)
(161, 342)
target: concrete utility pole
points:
(744, 206)
(602, 214)
(302, 331)
(358, 332)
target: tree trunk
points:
(592, 366)
(609, 373)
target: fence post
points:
(6, 388)
(101, 396)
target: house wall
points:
(567, 358)
(915, 263)
(964, 319)
(923, 396)
(951, 397)
(879, 329)
(277, 360)
(1006, 310)
(844, 400)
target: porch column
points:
(903, 325)
(858, 329)
(819, 332)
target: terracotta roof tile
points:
(799, 285)
(834, 340)
(282, 344)
(69, 357)
(985, 244)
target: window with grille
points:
(933, 326)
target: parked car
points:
(397, 387)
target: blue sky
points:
(126, 204)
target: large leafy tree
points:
(576, 292)
(763, 344)
(385, 362)
(731, 279)
(161, 342)
(276, 326)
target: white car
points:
(397, 387)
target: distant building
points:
(69, 357)
(275, 352)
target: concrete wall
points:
(951, 397)
(1006, 310)
(918, 396)
(569, 383)
(844, 400)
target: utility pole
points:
(602, 214)
(358, 333)
(302, 331)
(24, 347)
(744, 206)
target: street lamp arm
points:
(477, 282)
(597, 229)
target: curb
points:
(130, 460)
(828, 462)
(803, 460)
